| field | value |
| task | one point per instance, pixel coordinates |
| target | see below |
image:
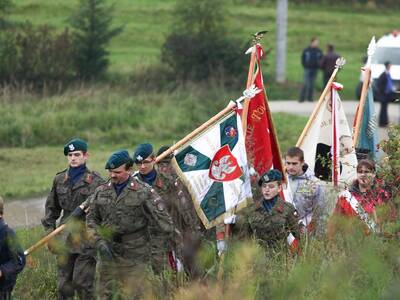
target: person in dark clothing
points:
(310, 59)
(12, 258)
(328, 63)
(386, 94)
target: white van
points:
(387, 49)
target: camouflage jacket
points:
(272, 228)
(64, 196)
(179, 205)
(125, 221)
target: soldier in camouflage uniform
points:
(274, 220)
(183, 213)
(119, 219)
(178, 204)
(71, 188)
(271, 220)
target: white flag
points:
(317, 143)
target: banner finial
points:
(340, 62)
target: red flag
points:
(261, 142)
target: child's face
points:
(270, 189)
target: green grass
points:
(39, 278)
(28, 172)
(147, 23)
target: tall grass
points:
(109, 116)
(350, 267)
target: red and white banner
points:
(327, 143)
(261, 141)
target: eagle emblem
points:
(224, 166)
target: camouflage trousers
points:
(76, 275)
(122, 282)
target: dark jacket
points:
(12, 259)
(328, 62)
(383, 95)
(311, 58)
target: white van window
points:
(384, 54)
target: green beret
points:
(168, 157)
(75, 145)
(270, 176)
(117, 159)
(142, 152)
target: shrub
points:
(35, 56)
(199, 46)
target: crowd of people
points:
(313, 60)
(137, 223)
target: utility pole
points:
(281, 40)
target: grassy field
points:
(147, 23)
(112, 116)
(115, 116)
(28, 172)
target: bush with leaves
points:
(199, 46)
(390, 171)
(5, 6)
(35, 56)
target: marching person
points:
(121, 213)
(304, 189)
(71, 188)
(270, 219)
(274, 222)
(364, 196)
(12, 258)
(179, 205)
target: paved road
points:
(22, 213)
(350, 107)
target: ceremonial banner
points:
(327, 144)
(261, 142)
(214, 167)
(368, 139)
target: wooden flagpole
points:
(250, 76)
(44, 240)
(364, 91)
(340, 62)
(195, 132)
(361, 106)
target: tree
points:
(5, 6)
(92, 24)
